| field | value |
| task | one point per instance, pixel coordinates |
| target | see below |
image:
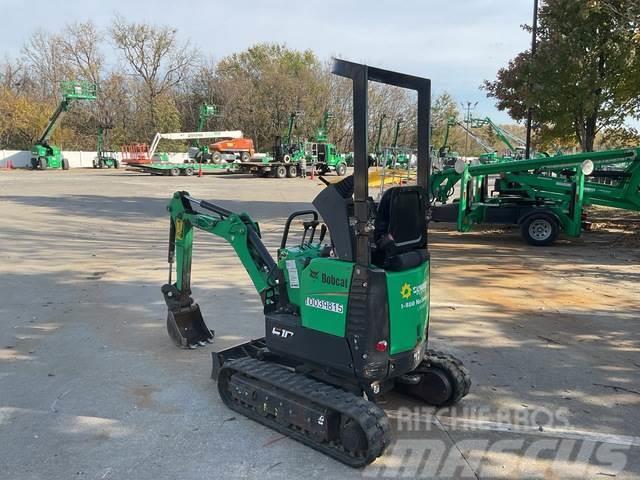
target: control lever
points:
(311, 224)
(323, 232)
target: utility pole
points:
(467, 120)
(534, 32)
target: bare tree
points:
(155, 55)
(80, 48)
(44, 56)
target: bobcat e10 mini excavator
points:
(345, 321)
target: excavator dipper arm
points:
(184, 321)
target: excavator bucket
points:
(187, 329)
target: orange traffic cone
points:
(200, 170)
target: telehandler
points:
(346, 321)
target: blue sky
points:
(456, 43)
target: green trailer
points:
(43, 154)
(188, 168)
(541, 195)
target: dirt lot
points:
(91, 387)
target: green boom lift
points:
(43, 154)
(398, 157)
(542, 195)
(343, 319)
(200, 153)
(447, 157)
(323, 155)
(104, 156)
(285, 149)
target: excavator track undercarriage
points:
(336, 422)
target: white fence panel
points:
(77, 159)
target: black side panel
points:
(285, 336)
(502, 215)
(332, 207)
(368, 322)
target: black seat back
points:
(400, 228)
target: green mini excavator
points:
(346, 319)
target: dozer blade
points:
(187, 329)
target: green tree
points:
(443, 108)
(262, 85)
(585, 75)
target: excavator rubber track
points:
(335, 422)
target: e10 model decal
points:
(281, 332)
(324, 305)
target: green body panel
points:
(292, 261)
(408, 293)
(50, 153)
(324, 295)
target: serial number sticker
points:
(324, 305)
(294, 281)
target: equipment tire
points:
(292, 171)
(188, 171)
(540, 229)
(116, 164)
(65, 164)
(341, 169)
(286, 158)
(244, 157)
(444, 380)
(216, 158)
(174, 172)
(280, 171)
(42, 163)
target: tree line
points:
(159, 82)
(582, 85)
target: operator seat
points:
(400, 226)
(400, 229)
